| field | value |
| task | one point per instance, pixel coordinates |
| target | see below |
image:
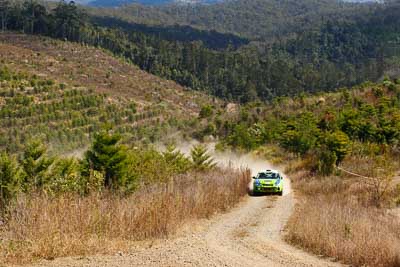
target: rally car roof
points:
(272, 171)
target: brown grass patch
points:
(240, 233)
(335, 218)
(40, 226)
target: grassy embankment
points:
(41, 226)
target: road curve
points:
(248, 235)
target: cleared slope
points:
(63, 93)
(94, 69)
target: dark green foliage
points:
(176, 160)
(241, 137)
(10, 174)
(106, 165)
(326, 161)
(301, 134)
(338, 144)
(69, 20)
(255, 19)
(333, 54)
(211, 39)
(35, 164)
(206, 111)
(202, 161)
(107, 157)
(65, 176)
(323, 129)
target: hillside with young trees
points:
(63, 93)
(333, 53)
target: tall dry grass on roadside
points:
(40, 226)
(335, 218)
(347, 232)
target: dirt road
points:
(248, 235)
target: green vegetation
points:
(107, 157)
(107, 165)
(255, 19)
(66, 117)
(63, 206)
(201, 160)
(9, 178)
(331, 54)
(322, 128)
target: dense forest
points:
(254, 19)
(336, 54)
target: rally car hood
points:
(265, 181)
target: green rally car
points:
(269, 181)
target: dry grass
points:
(240, 233)
(43, 227)
(336, 218)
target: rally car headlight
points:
(277, 182)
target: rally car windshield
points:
(264, 175)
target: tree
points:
(176, 159)
(338, 143)
(242, 138)
(35, 17)
(326, 161)
(4, 13)
(35, 164)
(68, 20)
(9, 178)
(202, 161)
(106, 156)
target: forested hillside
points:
(333, 54)
(255, 19)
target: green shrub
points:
(392, 87)
(338, 143)
(10, 174)
(326, 161)
(242, 138)
(35, 164)
(106, 156)
(206, 111)
(202, 161)
(298, 141)
(378, 92)
(65, 176)
(145, 167)
(176, 160)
